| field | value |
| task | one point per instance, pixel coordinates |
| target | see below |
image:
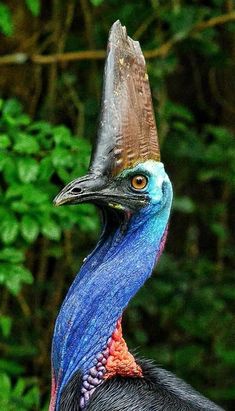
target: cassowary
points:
(92, 368)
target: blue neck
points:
(109, 278)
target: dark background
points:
(184, 316)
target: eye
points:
(139, 182)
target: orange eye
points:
(139, 182)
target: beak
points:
(85, 189)
(99, 190)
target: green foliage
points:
(24, 395)
(34, 6)
(6, 24)
(96, 2)
(32, 156)
(35, 157)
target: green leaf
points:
(219, 229)
(10, 170)
(96, 3)
(34, 6)
(51, 230)
(62, 135)
(33, 195)
(19, 388)
(3, 160)
(5, 325)
(4, 141)
(5, 385)
(29, 228)
(12, 255)
(13, 276)
(184, 205)
(46, 169)
(27, 169)
(12, 108)
(6, 23)
(11, 367)
(26, 144)
(31, 398)
(61, 157)
(19, 207)
(9, 231)
(14, 190)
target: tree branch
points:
(71, 56)
(215, 21)
(162, 51)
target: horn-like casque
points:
(127, 132)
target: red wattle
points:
(120, 360)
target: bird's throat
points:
(88, 335)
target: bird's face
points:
(143, 188)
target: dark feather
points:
(158, 390)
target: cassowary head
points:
(125, 172)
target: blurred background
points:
(51, 64)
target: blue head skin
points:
(131, 243)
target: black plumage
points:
(157, 390)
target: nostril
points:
(76, 190)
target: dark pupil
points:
(139, 180)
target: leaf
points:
(61, 157)
(9, 231)
(62, 135)
(12, 255)
(226, 353)
(14, 190)
(3, 160)
(4, 141)
(12, 108)
(19, 388)
(10, 170)
(51, 230)
(5, 385)
(13, 276)
(219, 229)
(33, 195)
(43, 133)
(26, 144)
(11, 367)
(29, 228)
(19, 207)
(6, 23)
(184, 205)
(46, 169)
(96, 3)
(27, 169)
(32, 397)
(34, 6)
(5, 325)
(178, 111)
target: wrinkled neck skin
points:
(121, 263)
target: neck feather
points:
(109, 278)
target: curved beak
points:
(100, 190)
(83, 189)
